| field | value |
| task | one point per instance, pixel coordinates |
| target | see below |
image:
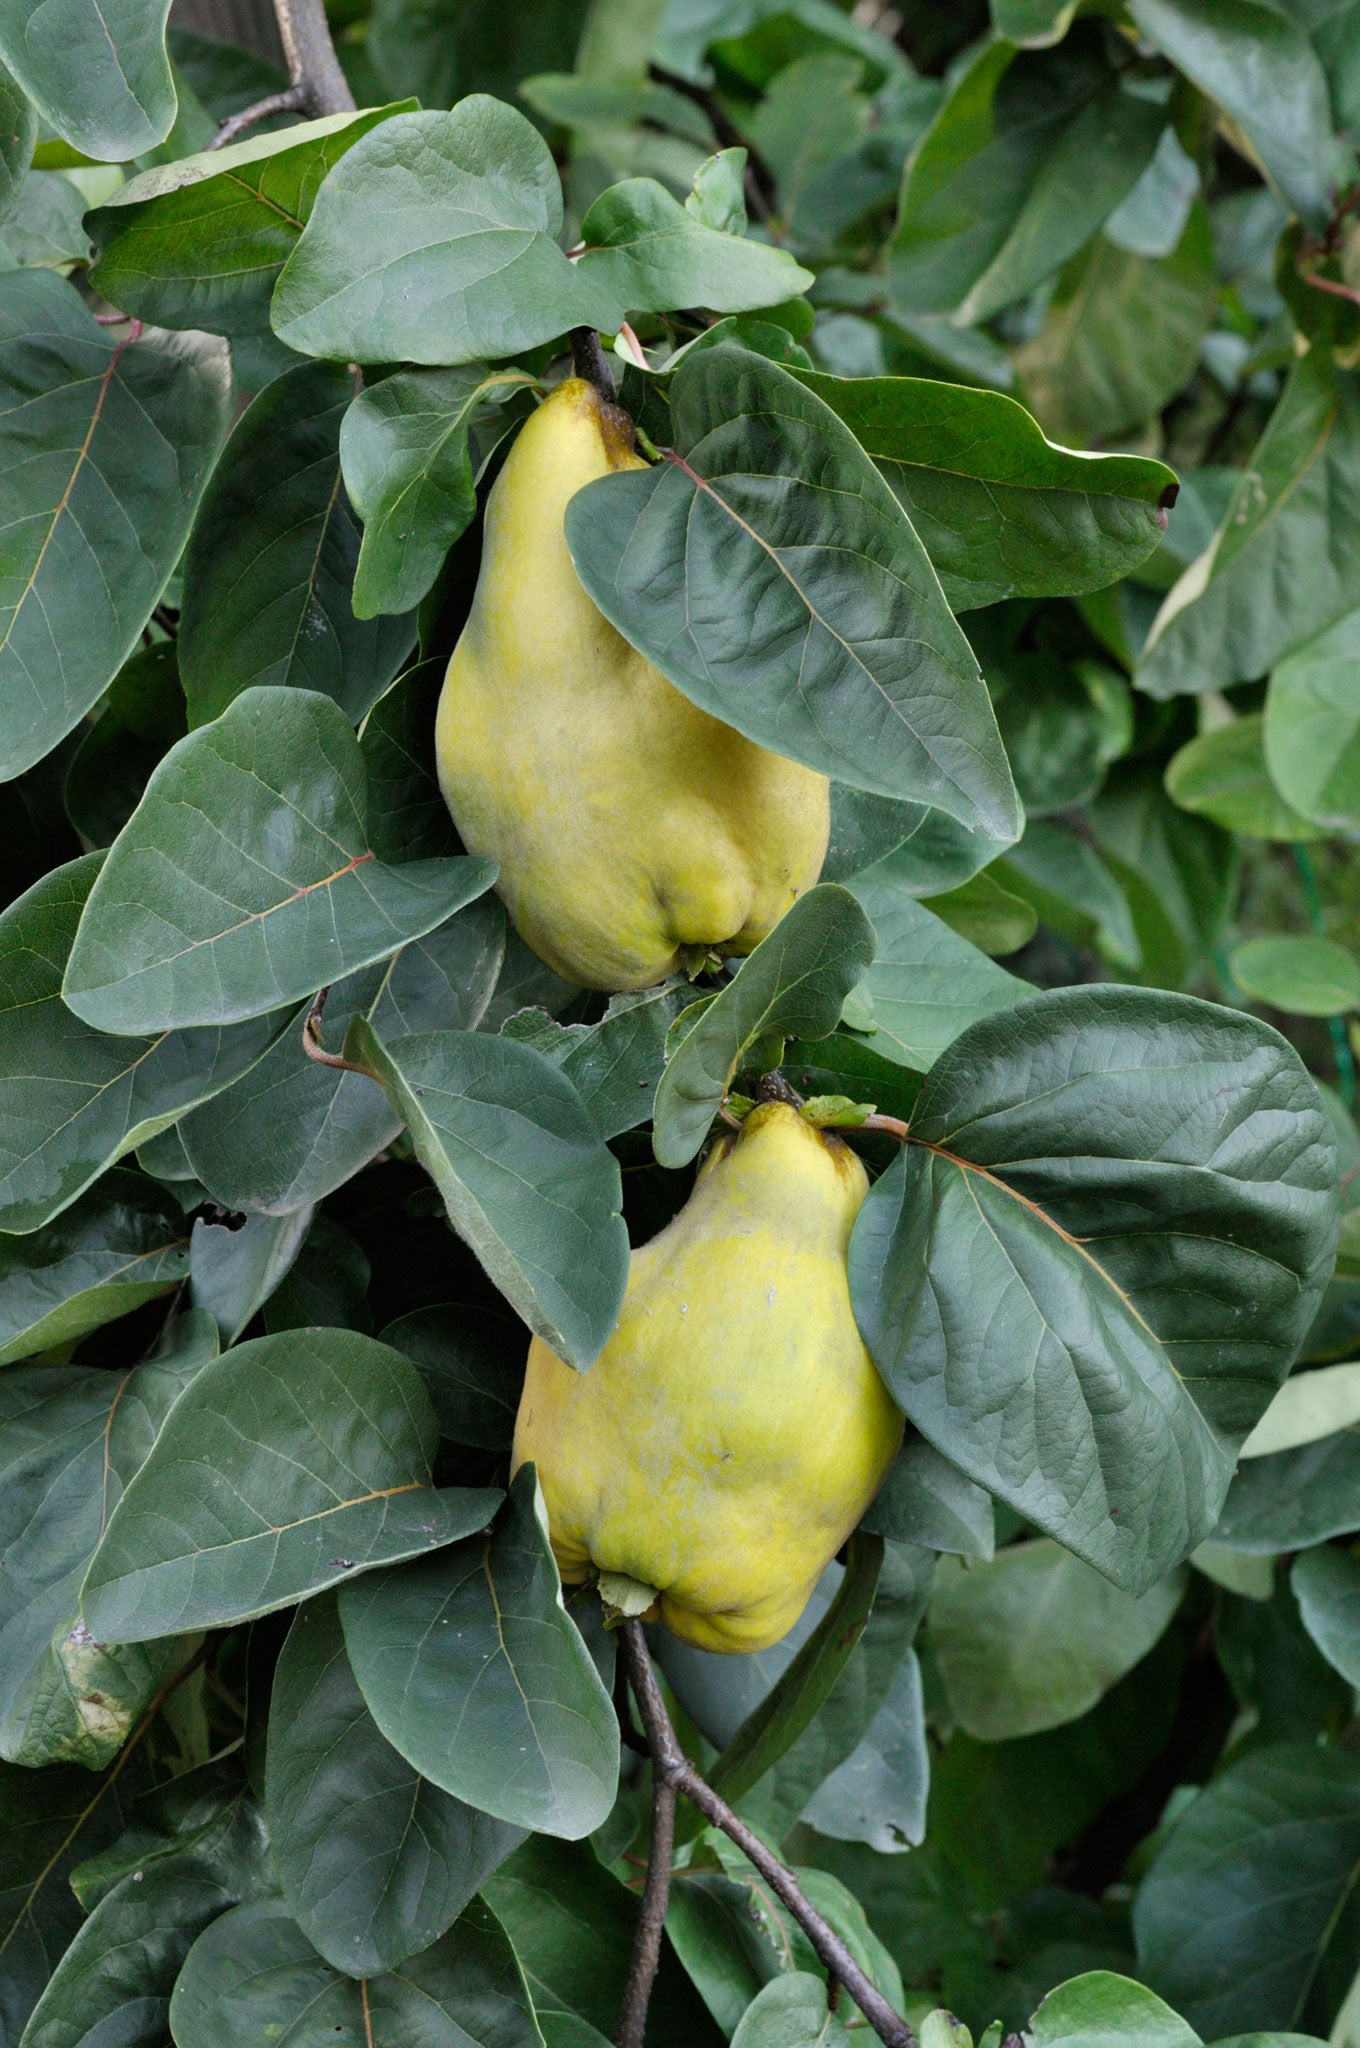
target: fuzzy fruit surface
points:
(627, 823)
(734, 1428)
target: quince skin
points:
(734, 1428)
(629, 825)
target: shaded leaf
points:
(291, 1462)
(926, 1500)
(1306, 977)
(534, 1739)
(122, 1243)
(472, 1362)
(44, 226)
(235, 1266)
(1222, 775)
(925, 983)
(375, 1862)
(105, 446)
(526, 1179)
(1312, 729)
(269, 575)
(1326, 1584)
(791, 2012)
(1291, 1499)
(245, 879)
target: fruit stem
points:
(589, 360)
(311, 1041)
(892, 1125)
(672, 1767)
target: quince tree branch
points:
(673, 1769)
(316, 83)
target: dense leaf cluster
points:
(996, 370)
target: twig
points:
(652, 1918)
(670, 1764)
(589, 360)
(312, 1046)
(287, 102)
(316, 83)
(892, 1125)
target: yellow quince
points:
(734, 1428)
(632, 830)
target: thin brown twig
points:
(311, 1040)
(289, 101)
(656, 1893)
(670, 1763)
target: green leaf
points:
(408, 465)
(989, 916)
(1121, 336)
(114, 107)
(534, 1740)
(234, 1270)
(290, 1131)
(1001, 511)
(44, 226)
(1072, 889)
(1264, 72)
(1035, 1637)
(375, 1862)
(1033, 24)
(254, 1976)
(844, 654)
(926, 983)
(614, 1065)
(1305, 977)
(649, 253)
(1283, 567)
(122, 1243)
(453, 47)
(1309, 1405)
(105, 447)
(1326, 1585)
(472, 1362)
(1005, 1233)
(408, 817)
(269, 575)
(432, 242)
(200, 242)
(1024, 161)
(794, 983)
(1240, 1918)
(73, 1100)
(1101, 2010)
(1295, 1498)
(791, 2012)
(926, 1500)
(70, 1440)
(245, 879)
(1222, 775)
(526, 1180)
(18, 133)
(291, 1462)
(1312, 734)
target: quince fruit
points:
(633, 832)
(734, 1428)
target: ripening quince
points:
(734, 1428)
(627, 823)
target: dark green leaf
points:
(1024, 161)
(113, 107)
(925, 984)
(245, 879)
(44, 226)
(926, 1500)
(472, 1362)
(1312, 733)
(614, 1065)
(844, 654)
(121, 1244)
(73, 1100)
(408, 467)
(432, 242)
(989, 916)
(1002, 511)
(1294, 1498)
(1284, 568)
(284, 1452)
(1099, 1182)
(447, 48)
(235, 1266)
(326, 1287)
(1326, 1585)
(1240, 1918)
(269, 575)
(408, 817)
(791, 2012)
(18, 133)
(526, 1179)
(1263, 71)
(291, 1132)
(201, 241)
(254, 1976)
(375, 1862)
(1073, 890)
(534, 1740)
(794, 983)
(650, 253)
(106, 446)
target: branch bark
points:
(656, 1894)
(316, 83)
(674, 1768)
